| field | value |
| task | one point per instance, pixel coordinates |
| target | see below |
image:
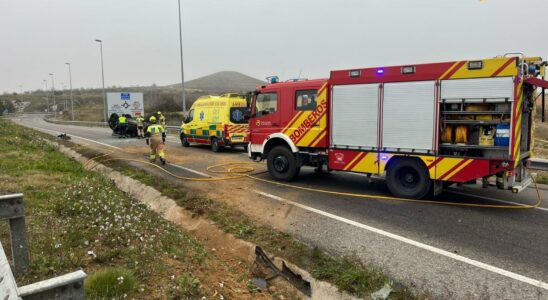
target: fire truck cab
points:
(289, 118)
(423, 126)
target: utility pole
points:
(103, 77)
(53, 94)
(47, 97)
(181, 50)
(71, 98)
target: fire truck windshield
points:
(266, 104)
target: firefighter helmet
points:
(152, 119)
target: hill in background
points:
(223, 82)
(88, 103)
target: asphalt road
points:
(455, 252)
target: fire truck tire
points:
(282, 164)
(184, 140)
(215, 147)
(408, 178)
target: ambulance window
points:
(266, 104)
(190, 116)
(237, 115)
(305, 100)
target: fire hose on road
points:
(239, 170)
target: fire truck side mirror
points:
(247, 114)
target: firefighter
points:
(162, 120)
(140, 126)
(156, 138)
(122, 126)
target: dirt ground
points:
(228, 255)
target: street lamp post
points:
(65, 99)
(53, 94)
(181, 51)
(71, 99)
(103, 77)
(47, 97)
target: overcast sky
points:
(255, 37)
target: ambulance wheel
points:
(408, 178)
(215, 147)
(282, 164)
(184, 141)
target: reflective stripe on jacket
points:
(155, 129)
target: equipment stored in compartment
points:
(502, 135)
(487, 136)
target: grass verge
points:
(77, 219)
(348, 273)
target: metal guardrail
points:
(172, 129)
(68, 286)
(55, 121)
(12, 209)
(537, 164)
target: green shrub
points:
(186, 287)
(110, 283)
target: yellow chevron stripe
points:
(458, 169)
(292, 121)
(322, 136)
(291, 128)
(367, 164)
(490, 66)
(445, 165)
(427, 161)
(313, 132)
(517, 147)
(510, 70)
(449, 70)
(517, 129)
(354, 160)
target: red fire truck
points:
(423, 126)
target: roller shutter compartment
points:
(490, 89)
(355, 115)
(408, 115)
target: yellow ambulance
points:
(217, 121)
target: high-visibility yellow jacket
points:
(140, 121)
(156, 129)
(122, 120)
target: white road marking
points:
(78, 137)
(190, 170)
(448, 254)
(493, 199)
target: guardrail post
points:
(13, 209)
(8, 287)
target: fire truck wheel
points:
(215, 147)
(282, 164)
(184, 140)
(408, 178)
